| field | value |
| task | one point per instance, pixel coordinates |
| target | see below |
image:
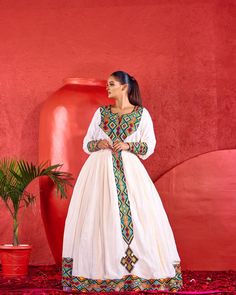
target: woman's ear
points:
(124, 87)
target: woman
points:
(117, 235)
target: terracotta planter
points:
(15, 260)
(64, 120)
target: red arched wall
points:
(199, 197)
(181, 52)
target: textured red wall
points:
(199, 196)
(182, 53)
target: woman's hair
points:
(133, 88)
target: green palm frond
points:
(27, 172)
(28, 199)
(16, 175)
(8, 182)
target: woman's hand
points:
(120, 146)
(104, 144)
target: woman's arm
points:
(145, 147)
(91, 141)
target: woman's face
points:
(114, 88)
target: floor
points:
(47, 280)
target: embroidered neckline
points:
(119, 127)
(117, 114)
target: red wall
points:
(182, 53)
(199, 196)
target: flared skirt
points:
(117, 235)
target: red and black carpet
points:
(47, 280)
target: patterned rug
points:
(47, 280)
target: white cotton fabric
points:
(93, 236)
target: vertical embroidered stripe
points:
(123, 200)
(118, 128)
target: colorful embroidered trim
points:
(67, 265)
(92, 146)
(118, 128)
(123, 200)
(126, 283)
(129, 260)
(138, 148)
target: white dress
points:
(117, 235)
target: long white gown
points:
(117, 235)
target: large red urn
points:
(64, 119)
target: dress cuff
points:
(138, 148)
(93, 146)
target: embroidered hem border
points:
(126, 283)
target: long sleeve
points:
(91, 138)
(145, 147)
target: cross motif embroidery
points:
(129, 260)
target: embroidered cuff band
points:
(139, 148)
(93, 146)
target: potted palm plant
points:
(15, 176)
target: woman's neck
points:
(123, 103)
